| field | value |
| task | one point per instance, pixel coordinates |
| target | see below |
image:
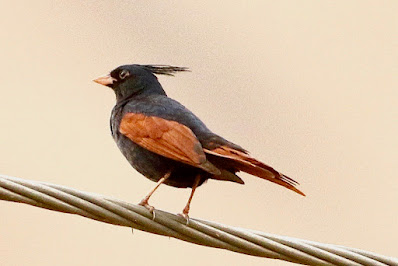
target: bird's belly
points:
(154, 166)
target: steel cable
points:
(207, 233)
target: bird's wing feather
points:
(244, 162)
(167, 138)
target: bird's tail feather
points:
(243, 162)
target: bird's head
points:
(128, 80)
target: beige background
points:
(309, 87)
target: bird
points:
(167, 143)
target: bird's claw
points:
(185, 216)
(150, 208)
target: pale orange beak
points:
(105, 80)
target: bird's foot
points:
(185, 215)
(150, 208)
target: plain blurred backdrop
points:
(309, 87)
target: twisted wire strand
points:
(201, 232)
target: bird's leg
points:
(185, 211)
(144, 201)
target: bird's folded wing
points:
(167, 138)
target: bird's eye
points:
(124, 74)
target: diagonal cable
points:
(206, 233)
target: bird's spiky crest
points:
(165, 69)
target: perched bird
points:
(167, 143)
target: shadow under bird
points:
(167, 143)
